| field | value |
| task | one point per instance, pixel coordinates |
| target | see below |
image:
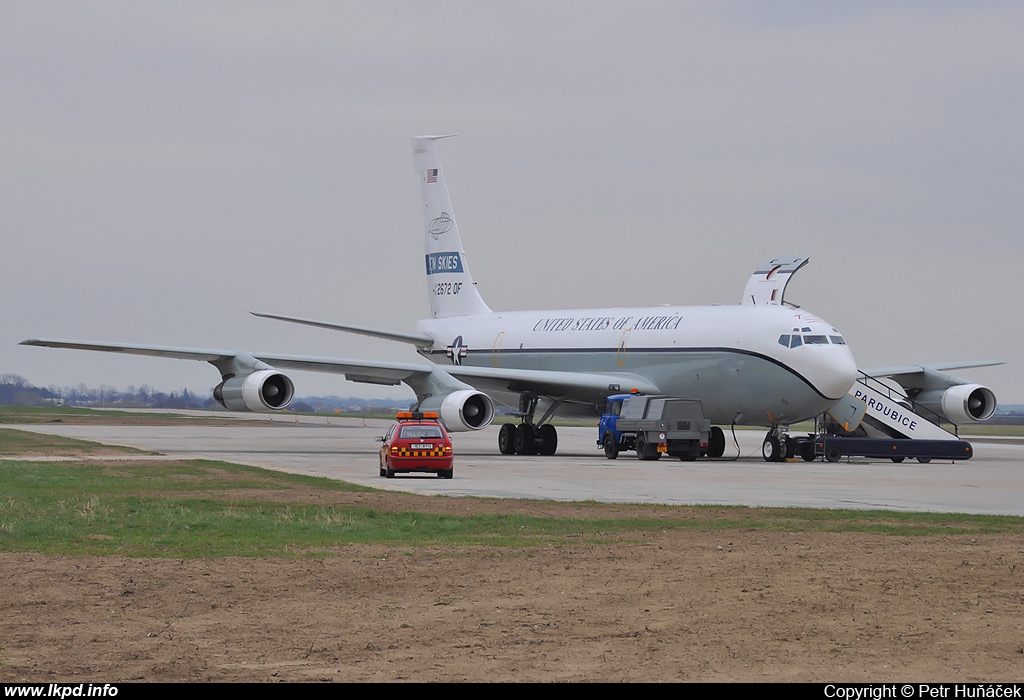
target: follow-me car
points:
(416, 442)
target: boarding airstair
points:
(887, 412)
(876, 420)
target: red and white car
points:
(417, 442)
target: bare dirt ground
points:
(671, 605)
(664, 606)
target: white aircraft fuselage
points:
(728, 357)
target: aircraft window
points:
(837, 340)
(806, 330)
(784, 341)
(816, 339)
(796, 342)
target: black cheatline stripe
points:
(733, 351)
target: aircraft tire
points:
(524, 440)
(548, 439)
(507, 439)
(897, 460)
(924, 460)
(771, 449)
(716, 442)
(611, 448)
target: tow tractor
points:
(654, 425)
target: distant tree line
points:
(17, 391)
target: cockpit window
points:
(794, 340)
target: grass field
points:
(138, 507)
(23, 442)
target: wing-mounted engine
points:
(767, 286)
(964, 403)
(251, 385)
(265, 390)
(463, 410)
(461, 406)
(955, 398)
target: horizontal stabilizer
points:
(412, 338)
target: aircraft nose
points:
(837, 372)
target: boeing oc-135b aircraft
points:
(761, 362)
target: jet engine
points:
(261, 391)
(963, 403)
(461, 410)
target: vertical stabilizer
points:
(767, 286)
(450, 286)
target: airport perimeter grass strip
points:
(23, 443)
(198, 508)
(69, 414)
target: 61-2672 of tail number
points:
(444, 289)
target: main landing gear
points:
(529, 437)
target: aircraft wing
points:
(200, 354)
(897, 371)
(569, 386)
(369, 371)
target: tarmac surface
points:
(992, 482)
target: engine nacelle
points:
(262, 391)
(461, 410)
(964, 403)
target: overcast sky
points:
(168, 167)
